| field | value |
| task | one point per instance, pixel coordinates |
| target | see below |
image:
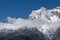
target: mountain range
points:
(42, 24)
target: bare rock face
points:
(56, 35)
(24, 34)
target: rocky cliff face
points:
(24, 34)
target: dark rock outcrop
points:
(24, 34)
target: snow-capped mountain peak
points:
(38, 14)
(44, 13)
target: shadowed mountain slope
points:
(56, 35)
(24, 34)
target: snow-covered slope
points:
(45, 20)
(50, 19)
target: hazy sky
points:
(22, 8)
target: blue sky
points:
(22, 8)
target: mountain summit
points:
(44, 13)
